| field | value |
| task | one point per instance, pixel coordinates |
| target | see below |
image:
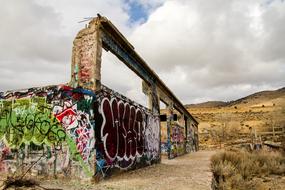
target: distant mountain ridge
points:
(254, 98)
(207, 104)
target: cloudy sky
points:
(203, 50)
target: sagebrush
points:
(236, 169)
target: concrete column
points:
(186, 127)
(169, 125)
(186, 134)
(86, 58)
(196, 137)
(154, 100)
(153, 97)
(149, 98)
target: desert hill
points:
(259, 116)
(208, 104)
(256, 98)
(263, 97)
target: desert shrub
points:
(236, 169)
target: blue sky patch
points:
(137, 12)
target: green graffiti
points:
(29, 120)
(85, 105)
(76, 156)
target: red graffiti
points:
(85, 72)
(3, 153)
(177, 134)
(122, 131)
(77, 125)
(67, 117)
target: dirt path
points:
(188, 172)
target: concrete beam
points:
(112, 40)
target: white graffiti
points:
(122, 132)
(152, 137)
(77, 124)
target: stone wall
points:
(76, 132)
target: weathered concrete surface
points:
(82, 128)
(188, 172)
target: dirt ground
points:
(188, 172)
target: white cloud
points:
(204, 50)
(120, 78)
(33, 51)
(217, 45)
(36, 38)
(74, 11)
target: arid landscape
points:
(251, 131)
(258, 118)
(142, 95)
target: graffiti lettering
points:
(122, 131)
(29, 122)
(127, 133)
(77, 124)
(152, 136)
(177, 140)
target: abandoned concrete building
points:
(85, 129)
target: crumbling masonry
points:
(85, 129)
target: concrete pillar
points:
(186, 133)
(149, 98)
(154, 100)
(86, 58)
(186, 126)
(169, 125)
(153, 97)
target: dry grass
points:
(237, 169)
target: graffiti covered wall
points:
(192, 138)
(54, 116)
(177, 139)
(73, 127)
(85, 129)
(127, 133)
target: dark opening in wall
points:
(175, 117)
(163, 117)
